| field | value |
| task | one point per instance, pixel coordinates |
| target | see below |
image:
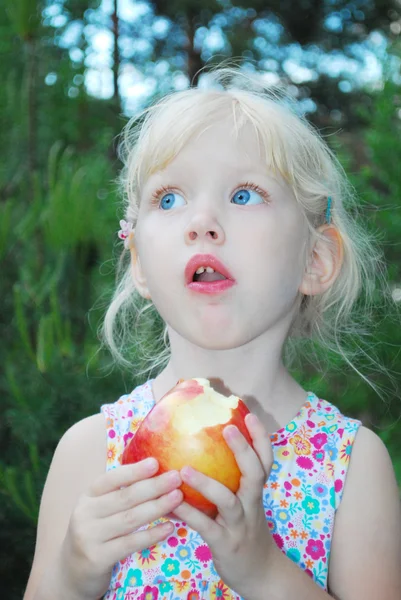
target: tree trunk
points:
(116, 55)
(194, 60)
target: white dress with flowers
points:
(301, 496)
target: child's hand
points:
(101, 527)
(239, 538)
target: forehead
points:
(221, 144)
(233, 142)
(261, 127)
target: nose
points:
(204, 226)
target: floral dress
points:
(301, 496)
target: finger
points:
(119, 548)
(128, 521)
(137, 493)
(207, 528)
(252, 471)
(227, 503)
(261, 442)
(123, 475)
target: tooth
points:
(209, 270)
(200, 270)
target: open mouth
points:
(205, 276)
(207, 268)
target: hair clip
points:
(125, 232)
(328, 211)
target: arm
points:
(79, 458)
(366, 547)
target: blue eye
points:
(168, 200)
(244, 195)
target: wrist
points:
(266, 585)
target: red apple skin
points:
(206, 451)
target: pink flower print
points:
(315, 549)
(304, 462)
(127, 437)
(319, 440)
(172, 541)
(149, 593)
(301, 445)
(279, 540)
(319, 455)
(203, 553)
(338, 485)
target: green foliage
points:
(25, 17)
(53, 253)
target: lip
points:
(206, 260)
(211, 287)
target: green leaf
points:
(10, 486)
(34, 456)
(45, 343)
(16, 391)
(6, 210)
(30, 493)
(21, 321)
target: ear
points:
(136, 270)
(324, 263)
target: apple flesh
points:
(186, 428)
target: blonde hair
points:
(292, 148)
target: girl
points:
(238, 236)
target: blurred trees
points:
(59, 211)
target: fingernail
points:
(173, 477)
(188, 473)
(231, 433)
(150, 464)
(252, 420)
(174, 495)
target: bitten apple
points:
(186, 428)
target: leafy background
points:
(72, 71)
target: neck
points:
(260, 380)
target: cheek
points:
(279, 259)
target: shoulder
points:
(366, 546)
(79, 458)
(87, 433)
(90, 426)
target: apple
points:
(186, 428)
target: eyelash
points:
(155, 199)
